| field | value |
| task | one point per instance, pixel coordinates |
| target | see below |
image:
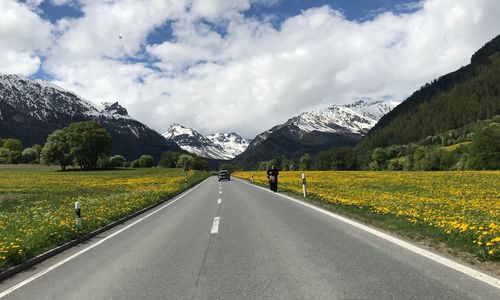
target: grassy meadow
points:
(460, 209)
(37, 203)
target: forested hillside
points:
(467, 95)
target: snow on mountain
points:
(32, 109)
(355, 118)
(223, 146)
(232, 143)
(43, 100)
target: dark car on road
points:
(224, 175)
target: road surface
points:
(237, 241)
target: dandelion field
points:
(462, 207)
(37, 204)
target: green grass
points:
(454, 147)
(37, 203)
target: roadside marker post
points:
(78, 214)
(304, 189)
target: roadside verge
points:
(39, 258)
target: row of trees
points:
(341, 158)
(454, 150)
(482, 153)
(170, 159)
(86, 145)
(12, 151)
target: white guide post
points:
(78, 214)
(304, 189)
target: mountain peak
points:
(114, 108)
(223, 146)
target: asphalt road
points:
(264, 246)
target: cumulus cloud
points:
(251, 75)
(23, 35)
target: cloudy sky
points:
(240, 65)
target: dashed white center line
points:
(220, 192)
(215, 226)
(219, 201)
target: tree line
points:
(86, 145)
(475, 146)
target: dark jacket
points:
(272, 172)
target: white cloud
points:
(254, 76)
(23, 35)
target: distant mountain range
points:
(31, 109)
(220, 146)
(312, 132)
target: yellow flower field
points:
(464, 205)
(37, 205)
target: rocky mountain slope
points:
(311, 132)
(31, 109)
(222, 146)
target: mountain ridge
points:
(219, 146)
(315, 131)
(31, 109)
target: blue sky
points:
(240, 65)
(276, 11)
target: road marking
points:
(219, 201)
(215, 225)
(432, 256)
(30, 279)
(220, 192)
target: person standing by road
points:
(272, 175)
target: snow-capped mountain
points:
(232, 143)
(223, 146)
(315, 131)
(31, 109)
(356, 118)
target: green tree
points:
(306, 162)
(117, 161)
(485, 149)
(88, 141)
(184, 161)
(199, 163)
(135, 164)
(4, 155)
(13, 144)
(169, 159)
(146, 161)
(104, 162)
(57, 150)
(378, 159)
(38, 149)
(30, 155)
(264, 165)
(15, 157)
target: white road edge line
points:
(432, 256)
(62, 262)
(215, 226)
(219, 201)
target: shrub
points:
(4, 155)
(169, 159)
(15, 157)
(184, 161)
(117, 161)
(13, 144)
(104, 163)
(146, 161)
(135, 164)
(30, 155)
